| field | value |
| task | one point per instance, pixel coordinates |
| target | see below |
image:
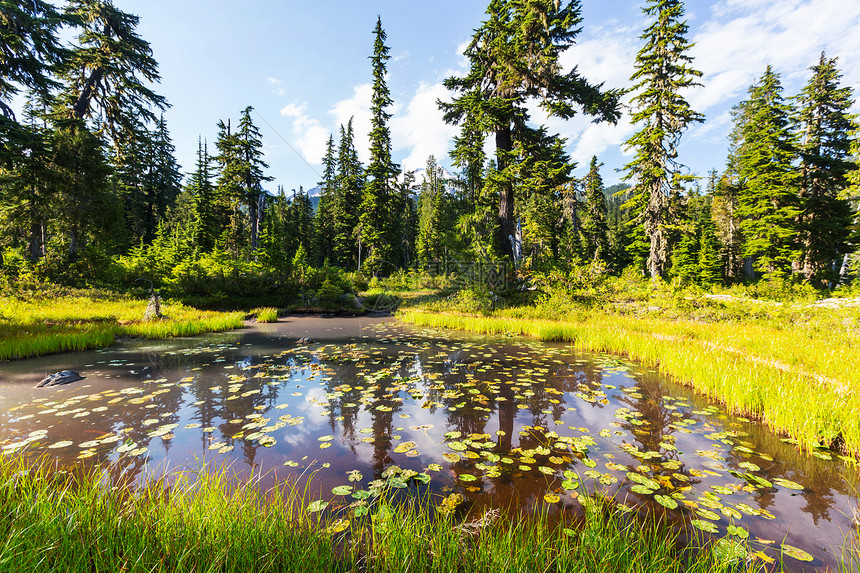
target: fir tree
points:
(594, 227)
(378, 224)
(346, 205)
(663, 70)
(324, 223)
(767, 199)
(430, 214)
(514, 57)
(205, 220)
(825, 126)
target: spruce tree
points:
(825, 125)
(768, 197)
(514, 59)
(205, 226)
(663, 71)
(430, 214)
(594, 227)
(378, 212)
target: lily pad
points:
(666, 501)
(798, 554)
(705, 526)
(787, 483)
(342, 490)
(317, 506)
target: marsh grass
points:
(746, 371)
(89, 519)
(266, 314)
(37, 326)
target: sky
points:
(304, 68)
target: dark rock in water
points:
(305, 340)
(60, 378)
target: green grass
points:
(53, 519)
(43, 325)
(266, 314)
(767, 372)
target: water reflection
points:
(504, 418)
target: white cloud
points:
(422, 128)
(311, 135)
(358, 108)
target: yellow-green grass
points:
(749, 368)
(37, 326)
(266, 314)
(92, 520)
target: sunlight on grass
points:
(38, 326)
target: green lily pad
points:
(317, 506)
(798, 554)
(639, 488)
(467, 477)
(666, 501)
(787, 483)
(342, 490)
(705, 526)
(737, 531)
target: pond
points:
(499, 420)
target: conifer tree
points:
(378, 212)
(346, 206)
(594, 227)
(111, 69)
(430, 214)
(323, 222)
(205, 226)
(663, 70)
(710, 264)
(768, 197)
(30, 50)
(514, 58)
(825, 127)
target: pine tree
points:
(514, 58)
(825, 126)
(378, 212)
(663, 70)
(724, 206)
(594, 227)
(767, 199)
(710, 264)
(205, 226)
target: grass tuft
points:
(267, 314)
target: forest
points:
(93, 196)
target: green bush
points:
(328, 295)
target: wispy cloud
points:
(311, 136)
(421, 128)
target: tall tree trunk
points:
(36, 240)
(82, 104)
(73, 242)
(507, 224)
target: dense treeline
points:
(92, 193)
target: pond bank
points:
(818, 411)
(38, 326)
(89, 520)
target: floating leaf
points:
(737, 531)
(404, 447)
(705, 526)
(342, 490)
(467, 477)
(787, 483)
(570, 484)
(316, 506)
(798, 554)
(639, 488)
(61, 444)
(451, 457)
(338, 526)
(551, 498)
(666, 501)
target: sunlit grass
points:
(267, 314)
(37, 326)
(748, 372)
(92, 520)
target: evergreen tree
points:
(30, 51)
(346, 205)
(723, 191)
(594, 226)
(767, 200)
(825, 126)
(378, 210)
(324, 223)
(110, 69)
(710, 264)
(663, 70)
(430, 214)
(514, 58)
(205, 219)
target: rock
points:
(305, 340)
(60, 378)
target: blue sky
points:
(304, 67)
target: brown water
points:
(499, 420)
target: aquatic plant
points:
(267, 314)
(93, 519)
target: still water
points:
(499, 420)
